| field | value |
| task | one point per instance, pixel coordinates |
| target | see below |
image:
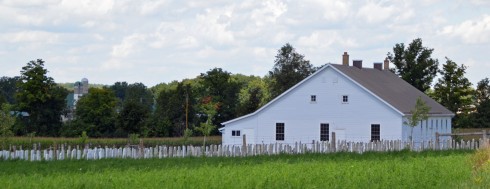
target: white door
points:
(249, 135)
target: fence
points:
(139, 152)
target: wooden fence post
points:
(244, 145)
(484, 137)
(437, 141)
(334, 142)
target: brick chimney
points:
(386, 64)
(357, 63)
(378, 66)
(345, 59)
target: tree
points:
(253, 96)
(414, 64)
(482, 115)
(138, 92)
(453, 89)
(482, 95)
(418, 114)
(2, 99)
(7, 120)
(97, 110)
(41, 98)
(119, 89)
(207, 127)
(171, 105)
(289, 68)
(482, 92)
(135, 111)
(133, 117)
(8, 88)
(224, 91)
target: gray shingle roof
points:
(391, 88)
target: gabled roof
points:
(391, 89)
(382, 84)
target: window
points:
(345, 99)
(324, 132)
(313, 98)
(375, 132)
(279, 131)
(235, 133)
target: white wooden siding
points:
(426, 130)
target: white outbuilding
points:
(357, 103)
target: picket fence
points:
(137, 152)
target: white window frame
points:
(313, 98)
(235, 133)
(347, 98)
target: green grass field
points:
(446, 169)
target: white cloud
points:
(150, 7)
(333, 10)
(30, 37)
(326, 40)
(87, 7)
(268, 13)
(129, 45)
(470, 31)
(213, 25)
(375, 12)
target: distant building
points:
(80, 88)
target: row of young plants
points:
(133, 139)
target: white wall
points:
(302, 118)
(242, 125)
(426, 130)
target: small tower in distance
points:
(84, 86)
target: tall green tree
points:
(171, 106)
(135, 111)
(138, 92)
(97, 111)
(453, 89)
(132, 118)
(39, 96)
(482, 95)
(224, 91)
(481, 119)
(289, 68)
(119, 89)
(253, 96)
(7, 121)
(482, 92)
(8, 88)
(414, 64)
(2, 99)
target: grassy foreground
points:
(447, 169)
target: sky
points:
(155, 41)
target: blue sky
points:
(164, 40)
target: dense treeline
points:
(202, 103)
